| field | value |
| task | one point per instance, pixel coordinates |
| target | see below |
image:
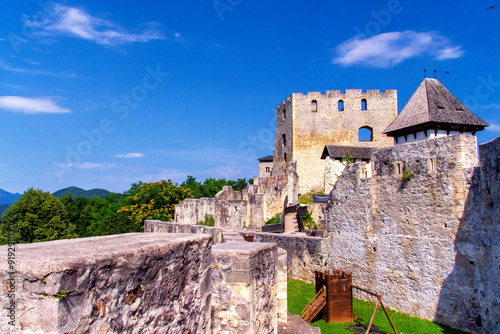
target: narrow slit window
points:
(284, 113)
(284, 157)
(398, 167)
(284, 139)
(364, 106)
(432, 164)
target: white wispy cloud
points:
(493, 127)
(391, 48)
(130, 155)
(87, 165)
(76, 22)
(6, 67)
(28, 105)
(32, 62)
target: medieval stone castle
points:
(413, 212)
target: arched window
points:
(365, 134)
(314, 106)
(364, 106)
(284, 139)
(341, 105)
(284, 113)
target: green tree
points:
(155, 200)
(211, 186)
(37, 216)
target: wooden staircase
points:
(316, 304)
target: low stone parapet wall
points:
(305, 254)
(158, 226)
(244, 298)
(125, 283)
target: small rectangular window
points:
(398, 166)
(432, 164)
(268, 169)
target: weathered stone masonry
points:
(124, 283)
(147, 283)
(410, 241)
(306, 123)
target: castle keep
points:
(306, 123)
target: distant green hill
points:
(79, 192)
(3, 208)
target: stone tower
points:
(306, 123)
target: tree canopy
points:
(37, 216)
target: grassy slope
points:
(300, 293)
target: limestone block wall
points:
(265, 198)
(304, 254)
(472, 289)
(227, 208)
(333, 170)
(399, 238)
(245, 282)
(318, 213)
(191, 211)
(314, 120)
(123, 284)
(158, 226)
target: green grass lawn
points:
(300, 293)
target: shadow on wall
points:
(470, 294)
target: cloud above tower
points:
(392, 48)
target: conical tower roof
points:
(432, 106)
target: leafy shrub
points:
(275, 220)
(406, 175)
(308, 222)
(208, 221)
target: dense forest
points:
(40, 216)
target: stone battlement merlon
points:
(353, 93)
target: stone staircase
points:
(291, 224)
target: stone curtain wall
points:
(244, 288)
(472, 289)
(304, 254)
(307, 131)
(236, 210)
(265, 198)
(396, 237)
(191, 211)
(333, 170)
(124, 283)
(158, 226)
(227, 208)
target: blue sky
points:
(107, 93)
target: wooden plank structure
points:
(334, 298)
(316, 304)
(339, 295)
